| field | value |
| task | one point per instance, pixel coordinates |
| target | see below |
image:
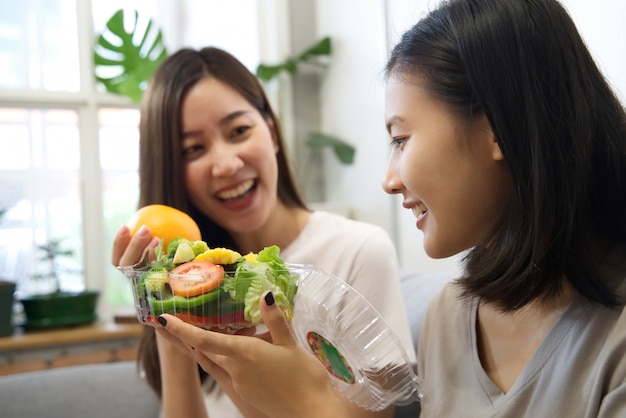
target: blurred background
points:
(69, 149)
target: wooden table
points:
(100, 342)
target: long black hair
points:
(560, 127)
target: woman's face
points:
(451, 174)
(229, 150)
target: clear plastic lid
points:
(364, 357)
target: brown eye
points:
(190, 151)
(397, 142)
(241, 130)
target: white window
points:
(69, 151)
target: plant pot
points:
(59, 310)
(7, 289)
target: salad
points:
(210, 287)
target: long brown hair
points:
(161, 162)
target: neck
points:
(281, 229)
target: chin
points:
(435, 252)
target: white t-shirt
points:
(360, 253)
(579, 369)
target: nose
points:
(392, 184)
(225, 161)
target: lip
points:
(419, 210)
(421, 218)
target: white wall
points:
(353, 98)
(602, 24)
(352, 103)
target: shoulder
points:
(448, 304)
(362, 238)
(446, 300)
(348, 248)
(445, 320)
(338, 225)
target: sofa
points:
(107, 390)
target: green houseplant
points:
(58, 308)
(7, 291)
(315, 141)
(125, 67)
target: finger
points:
(212, 342)
(265, 336)
(210, 366)
(137, 246)
(248, 331)
(120, 242)
(179, 344)
(275, 321)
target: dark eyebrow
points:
(232, 116)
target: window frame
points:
(273, 25)
(86, 103)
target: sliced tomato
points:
(195, 278)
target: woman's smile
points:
(237, 191)
(419, 211)
(239, 197)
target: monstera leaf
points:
(344, 151)
(320, 48)
(125, 61)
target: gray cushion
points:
(111, 390)
(418, 289)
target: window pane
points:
(40, 190)
(39, 45)
(119, 159)
(102, 10)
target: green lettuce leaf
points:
(252, 279)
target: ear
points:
(496, 152)
(482, 128)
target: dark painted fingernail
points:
(162, 320)
(269, 298)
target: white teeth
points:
(237, 191)
(418, 210)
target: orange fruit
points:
(165, 222)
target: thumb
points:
(275, 321)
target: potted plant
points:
(7, 290)
(58, 308)
(315, 55)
